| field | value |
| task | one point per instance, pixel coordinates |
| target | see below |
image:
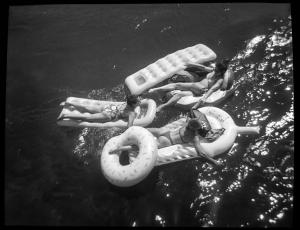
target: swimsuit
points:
(205, 131)
(176, 138)
(112, 111)
(211, 135)
(117, 112)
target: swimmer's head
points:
(132, 100)
(194, 124)
(222, 66)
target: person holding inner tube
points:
(196, 130)
(107, 112)
(219, 77)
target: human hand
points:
(198, 104)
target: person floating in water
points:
(196, 130)
(220, 77)
(107, 112)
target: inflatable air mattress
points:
(167, 66)
(146, 116)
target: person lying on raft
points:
(192, 72)
(196, 130)
(107, 112)
(219, 77)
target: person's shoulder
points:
(137, 109)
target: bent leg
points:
(196, 87)
(170, 102)
(86, 108)
(191, 77)
(185, 86)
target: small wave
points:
(165, 29)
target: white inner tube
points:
(217, 118)
(136, 171)
(226, 140)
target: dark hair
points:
(199, 121)
(222, 66)
(132, 100)
(193, 124)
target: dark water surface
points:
(52, 174)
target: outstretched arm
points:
(214, 88)
(131, 118)
(201, 151)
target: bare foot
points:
(61, 117)
(65, 103)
